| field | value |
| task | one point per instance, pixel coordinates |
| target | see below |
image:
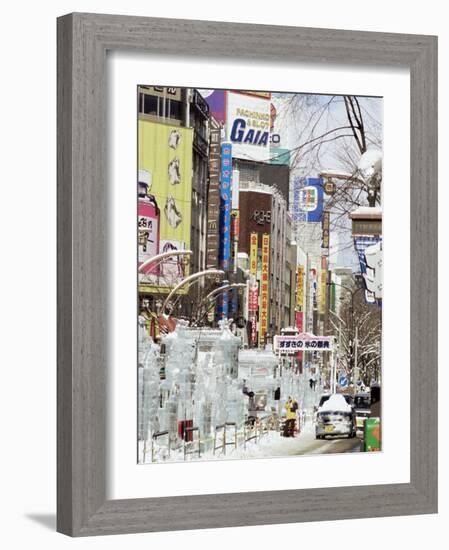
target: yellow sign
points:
(253, 243)
(300, 287)
(165, 175)
(264, 285)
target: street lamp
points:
(156, 260)
(214, 294)
(188, 280)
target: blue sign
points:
(361, 243)
(308, 199)
(343, 381)
(224, 250)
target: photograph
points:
(259, 276)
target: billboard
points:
(165, 195)
(264, 296)
(248, 126)
(311, 199)
(216, 99)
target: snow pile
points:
(336, 402)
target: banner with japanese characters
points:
(292, 344)
(264, 284)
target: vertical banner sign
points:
(253, 302)
(323, 281)
(264, 288)
(213, 206)
(253, 244)
(314, 299)
(225, 205)
(325, 226)
(235, 220)
(225, 220)
(253, 330)
(300, 288)
(299, 318)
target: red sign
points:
(299, 320)
(253, 329)
(253, 300)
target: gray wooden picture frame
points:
(83, 41)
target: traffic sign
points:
(343, 381)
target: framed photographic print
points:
(246, 274)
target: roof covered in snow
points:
(336, 402)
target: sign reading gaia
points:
(248, 119)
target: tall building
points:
(263, 213)
(173, 129)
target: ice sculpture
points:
(148, 394)
(180, 350)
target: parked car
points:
(335, 417)
(362, 406)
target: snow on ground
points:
(271, 444)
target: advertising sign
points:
(300, 287)
(325, 225)
(302, 342)
(253, 244)
(299, 320)
(248, 125)
(213, 207)
(164, 214)
(253, 329)
(253, 301)
(362, 243)
(235, 224)
(225, 205)
(311, 199)
(279, 155)
(264, 296)
(266, 95)
(216, 99)
(323, 286)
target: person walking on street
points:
(290, 421)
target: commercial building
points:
(264, 220)
(173, 129)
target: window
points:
(150, 105)
(174, 109)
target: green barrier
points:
(372, 435)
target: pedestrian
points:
(311, 383)
(252, 408)
(290, 421)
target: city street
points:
(259, 273)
